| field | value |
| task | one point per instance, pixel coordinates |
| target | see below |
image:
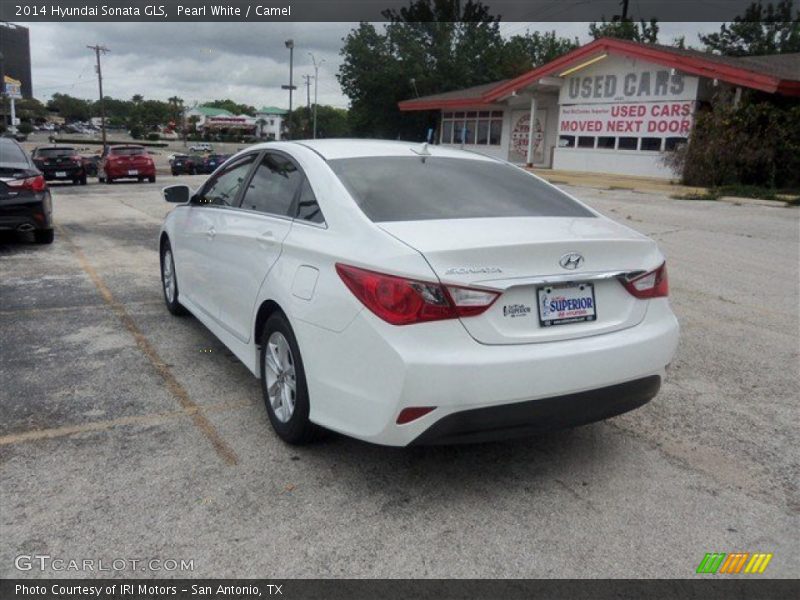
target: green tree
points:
(626, 29)
(232, 107)
(428, 47)
(526, 52)
(769, 29)
(70, 108)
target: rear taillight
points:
(33, 184)
(653, 284)
(402, 301)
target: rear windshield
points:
(54, 152)
(10, 153)
(397, 188)
(128, 151)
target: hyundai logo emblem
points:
(571, 261)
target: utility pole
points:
(316, 87)
(624, 9)
(97, 50)
(291, 87)
(308, 95)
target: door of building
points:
(520, 132)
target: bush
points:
(756, 143)
(25, 128)
(153, 136)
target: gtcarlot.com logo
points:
(734, 563)
(45, 562)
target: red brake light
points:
(402, 301)
(33, 184)
(653, 284)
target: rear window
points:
(54, 152)
(128, 151)
(416, 189)
(10, 153)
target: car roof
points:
(332, 149)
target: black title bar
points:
(20, 11)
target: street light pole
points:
(97, 50)
(291, 87)
(316, 86)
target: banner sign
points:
(643, 119)
(13, 87)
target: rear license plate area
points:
(566, 303)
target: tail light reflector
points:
(653, 284)
(402, 301)
(33, 184)
(413, 413)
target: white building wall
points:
(615, 162)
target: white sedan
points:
(407, 294)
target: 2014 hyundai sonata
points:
(405, 294)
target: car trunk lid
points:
(520, 256)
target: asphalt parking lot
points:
(128, 433)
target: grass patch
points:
(710, 194)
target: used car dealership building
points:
(611, 106)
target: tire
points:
(170, 287)
(44, 236)
(152, 179)
(280, 372)
(109, 181)
(101, 179)
(82, 180)
(174, 173)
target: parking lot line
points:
(173, 385)
(150, 419)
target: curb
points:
(754, 201)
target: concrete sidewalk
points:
(606, 181)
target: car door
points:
(196, 256)
(249, 239)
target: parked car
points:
(201, 147)
(210, 162)
(183, 164)
(19, 137)
(126, 162)
(90, 162)
(60, 163)
(405, 294)
(25, 202)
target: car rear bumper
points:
(58, 173)
(362, 378)
(125, 173)
(26, 214)
(520, 419)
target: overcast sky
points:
(246, 62)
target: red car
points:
(126, 162)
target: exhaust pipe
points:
(25, 227)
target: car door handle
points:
(211, 232)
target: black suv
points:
(61, 163)
(25, 202)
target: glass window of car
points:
(54, 152)
(223, 189)
(395, 188)
(127, 151)
(10, 152)
(273, 186)
(307, 207)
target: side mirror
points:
(178, 194)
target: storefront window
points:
(651, 144)
(672, 143)
(585, 142)
(477, 127)
(566, 141)
(606, 142)
(628, 143)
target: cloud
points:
(246, 62)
